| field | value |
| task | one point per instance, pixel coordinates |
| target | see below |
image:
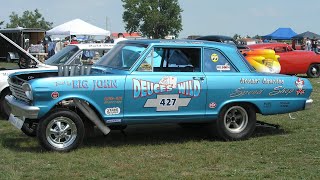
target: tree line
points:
(153, 19)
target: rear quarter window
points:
(215, 61)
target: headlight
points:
(28, 90)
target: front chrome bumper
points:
(308, 104)
(21, 109)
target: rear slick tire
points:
(236, 122)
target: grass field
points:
(171, 152)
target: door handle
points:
(198, 78)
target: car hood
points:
(7, 72)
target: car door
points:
(167, 86)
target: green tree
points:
(236, 36)
(257, 37)
(1, 23)
(29, 19)
(156, 18)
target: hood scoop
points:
(74, 70)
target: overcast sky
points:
(199, 17)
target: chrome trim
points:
(22, 109)
(308, 104)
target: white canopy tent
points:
(77, 27)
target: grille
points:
(16, 88)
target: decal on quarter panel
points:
(300, 83)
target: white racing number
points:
(168, 102)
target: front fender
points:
(48, 92)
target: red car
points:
(293, 61)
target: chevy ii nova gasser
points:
(153, 81)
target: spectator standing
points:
(74, 40)
(294, 44)
(314, 45)
(308, 44)
(108, 40)
(59, 46)
(120, 38)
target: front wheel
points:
(62, 130)
(29, 129)
(313, 71)
(236, 122)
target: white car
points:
(73, 54)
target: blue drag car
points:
(152, 81)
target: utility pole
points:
(108, 26)
(107, 23)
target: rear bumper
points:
(308, 104)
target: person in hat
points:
(74, 40)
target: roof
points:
(281, 34)
(307, 34)
(215, 38)
(20, 29)
(77, 27)
(177, 42)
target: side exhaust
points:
(86, 109)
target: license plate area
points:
(16, 121)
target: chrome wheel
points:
(61, 132)
(313, 71)
(235, 119)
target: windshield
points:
(62, 56)
(122, 56)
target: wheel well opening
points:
(68, 103)
(5, 91)
(251, 105)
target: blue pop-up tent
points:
(281, 34)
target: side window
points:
(172, 60)
(76, 60)
(91, 56)
(214, 61)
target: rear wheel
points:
(313, 71)
(236, 122)
(4, 107)
(63, 130)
